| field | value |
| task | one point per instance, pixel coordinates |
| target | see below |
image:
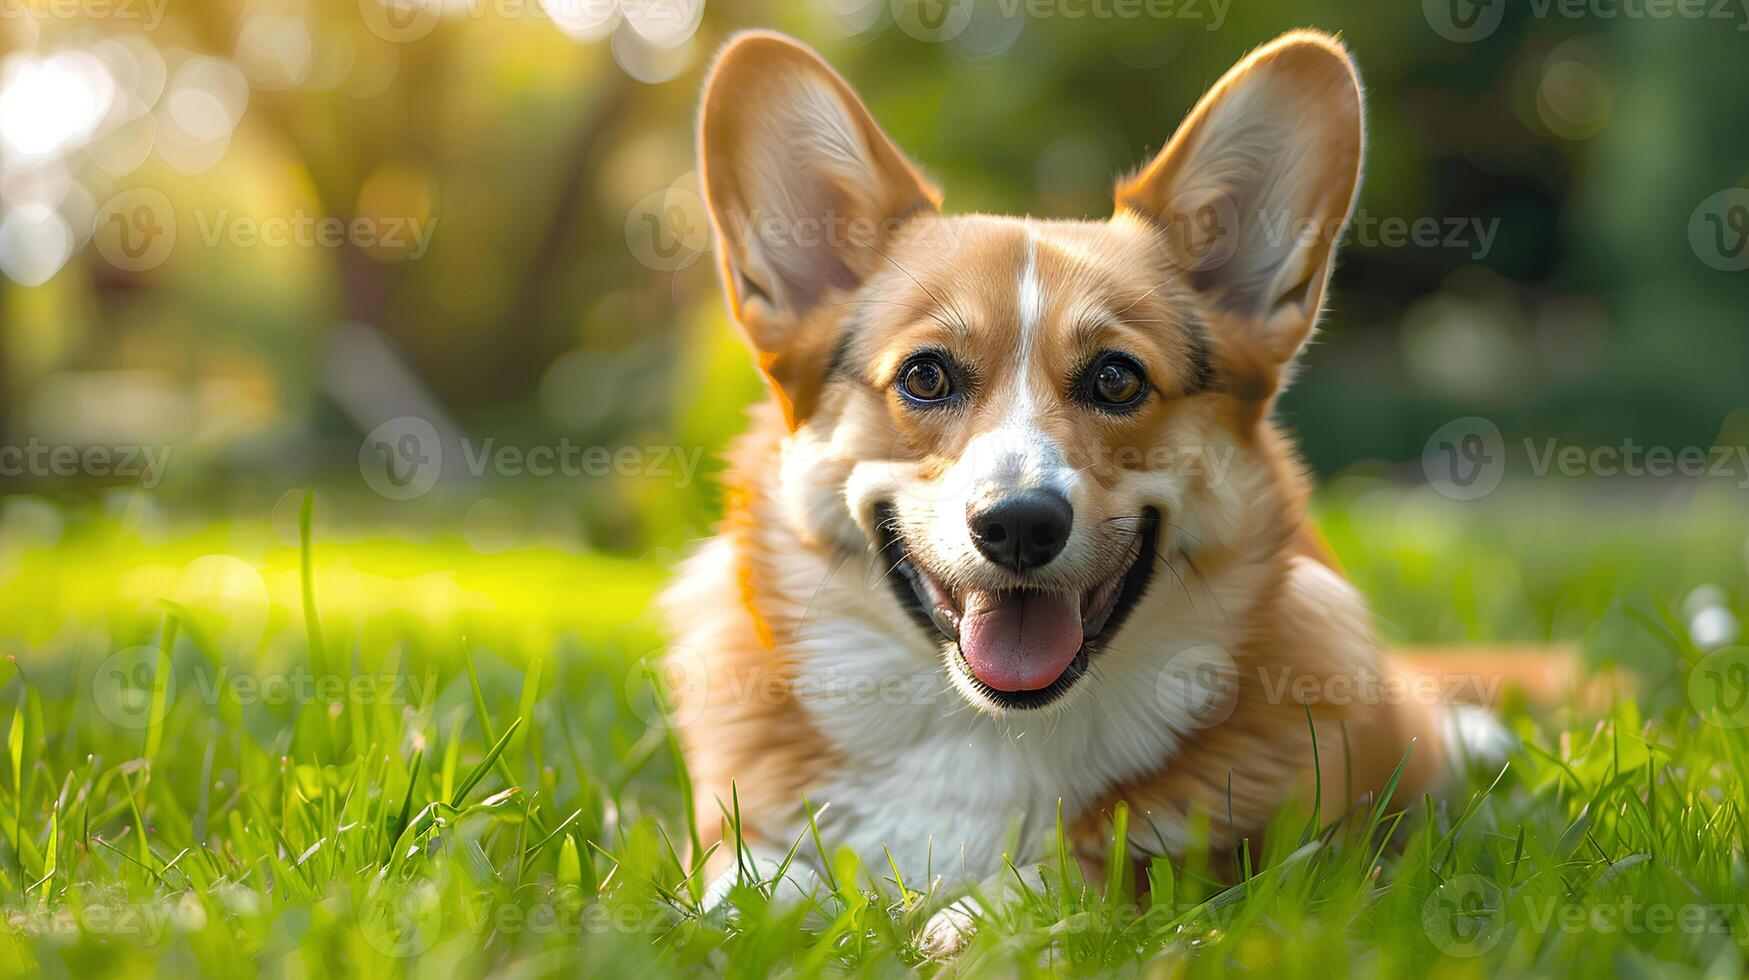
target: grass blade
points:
(479, 772)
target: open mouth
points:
(1021, 647)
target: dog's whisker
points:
(1162, 559)
(926, 291)
(1200, 577)
(1193, 538)
(831, 571)
(920, 310)
(1133, 303)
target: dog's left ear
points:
(803, 188)
(1256, 187)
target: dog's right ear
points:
(803, 189)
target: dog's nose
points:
(1022, 530)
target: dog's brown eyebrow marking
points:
(1201, 356)
(1087, 331)
(838, 365)
(1199, 350)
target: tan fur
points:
(1243, 558)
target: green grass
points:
(393, 757)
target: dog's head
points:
(1013, 415)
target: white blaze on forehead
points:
(1018, 452)
(1031, 300)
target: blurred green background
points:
(246, 234)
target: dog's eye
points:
(925, 378)
(1116, 382)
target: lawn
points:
(231, 751)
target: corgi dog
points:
(1014, 538)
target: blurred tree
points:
(1579, 146)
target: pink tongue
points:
(1020, 641)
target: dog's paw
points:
(716, 896)
(799, 883)
(947, 932)
(1475, 736)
